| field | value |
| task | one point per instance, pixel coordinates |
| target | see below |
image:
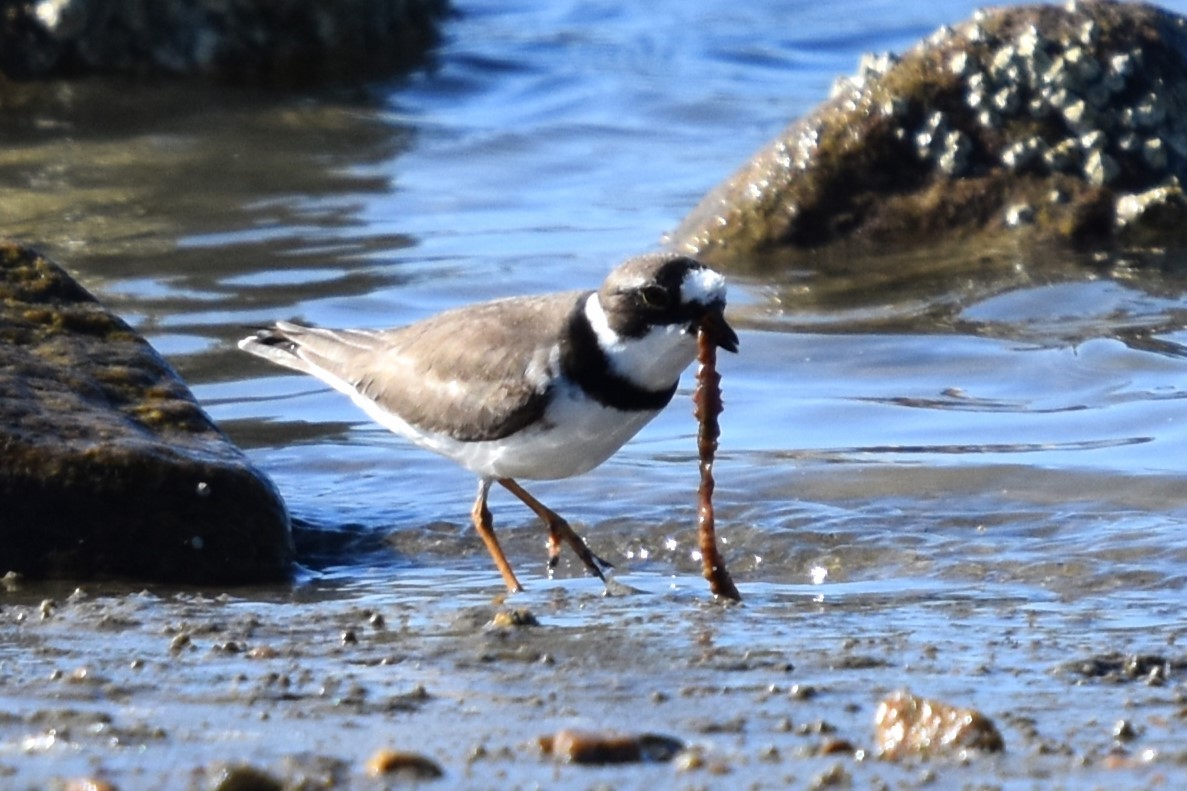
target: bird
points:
(535, 387)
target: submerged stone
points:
(1088, 99)
(270, 40)
(108, 466)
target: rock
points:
(609, 747)
(108, 467)
(513, 618)
(270, 40)
(411, 766)
(243, 777)
(1087, 101)
(1117, 667)
(907, 725)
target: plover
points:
(525, 388)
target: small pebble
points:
(836, 746)
(245, 778)
(802, 692)
(89, 784)
(397, 762)
(609, 747)
(506, 619)
(1124, 731)
(690, 760)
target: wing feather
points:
(479, 372)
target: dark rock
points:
(1064, 123)
(258, 40)
(243, 777)
(1125, 667)
(108, 467)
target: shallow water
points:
(941, 449)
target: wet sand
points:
(306, 684)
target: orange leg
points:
(484, 524)
(558, 531)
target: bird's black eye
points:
(654, 297)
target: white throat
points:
(653, 361)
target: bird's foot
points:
(559, 531)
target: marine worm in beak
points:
(707, 406)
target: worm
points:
(706, 408)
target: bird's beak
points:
(714, 325)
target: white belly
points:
(576, 435)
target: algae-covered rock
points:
(108, 467)
(1064, 123)
(273, 40)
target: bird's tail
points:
(310, 350)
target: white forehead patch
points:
(702, 286)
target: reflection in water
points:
(1045, 296)
(192, 188)
(195, 211)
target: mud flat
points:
(331, 686)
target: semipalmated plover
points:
(533, 387)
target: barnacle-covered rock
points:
(108, 466)
(1085, 101)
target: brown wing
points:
(479, 372)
